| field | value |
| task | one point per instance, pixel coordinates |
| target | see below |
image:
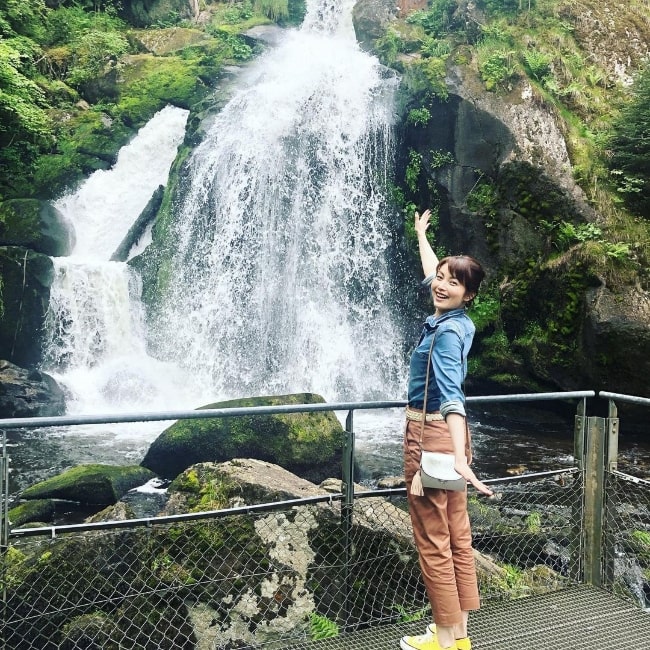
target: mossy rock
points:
(25, 280)
(36, 510)
(37, 225)
(307, 444)
(90, 484)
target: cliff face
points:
(509, 188)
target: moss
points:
(93, 484)
(308, 444)
(148, 83)
(36, 510)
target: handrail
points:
(70, 420)
(330, 498)
(630, 399)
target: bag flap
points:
(439, 465)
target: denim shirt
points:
(454, 332)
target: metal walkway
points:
(578, 618)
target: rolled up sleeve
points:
(447, 360)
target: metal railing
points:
(271, 574)
(624, 563)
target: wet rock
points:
(36, 225)
(28, 393)
(307, 444)
(92, 484)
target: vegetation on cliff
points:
(570, 60)
(77, 80)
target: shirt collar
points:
(433, 321)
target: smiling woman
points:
(436, 422)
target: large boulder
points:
(28, 393)
(302, 550)
(24, 299)
(37, 225)
(371, 18)
(91, 484)
(307, 444)
(617, 344)
(143, 13)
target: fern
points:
(320, 627)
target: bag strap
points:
(468, 435)
(426, 387)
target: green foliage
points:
(483, 199)
(413, 170)
(538, 64)
(440, 158)
(496, 63)
(321, 627)
(567, 234)
(506, 7)
(434, 48)
(630, 147)
(237, 12)
(69, 24)
(21, 99)
(427, 76)
(389, 46)
(24, 17)
(418, 116)
(534, 522)
(486, 310)
(437, 19)
(409, 617)
(91, 54)
(275, 10)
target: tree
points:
(630, 147)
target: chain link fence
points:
(279, 574)
(272, 575)
(626, 538)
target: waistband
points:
(416, 416)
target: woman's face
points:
(447, 292)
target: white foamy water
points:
(96, 339)
(281, 280)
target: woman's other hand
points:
(468, 474)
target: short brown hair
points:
(466, 270)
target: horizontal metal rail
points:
(53, 531)
(630, 399)
(173, 519)
(74, 420)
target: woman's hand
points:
(427, 256)
(467, 473)
(422, 222)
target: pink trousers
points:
(442, 531)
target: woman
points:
(440, 521)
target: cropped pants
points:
(442, 531)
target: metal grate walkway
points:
(578, 618)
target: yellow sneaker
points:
(425, 641)
(461, 644)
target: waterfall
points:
(95, 335)
(280, 279)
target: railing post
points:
(579, 442)
(347, 488)
(610, 524)
(594, 472)
(4, 527)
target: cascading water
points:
(96, 344)
(280, 282)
